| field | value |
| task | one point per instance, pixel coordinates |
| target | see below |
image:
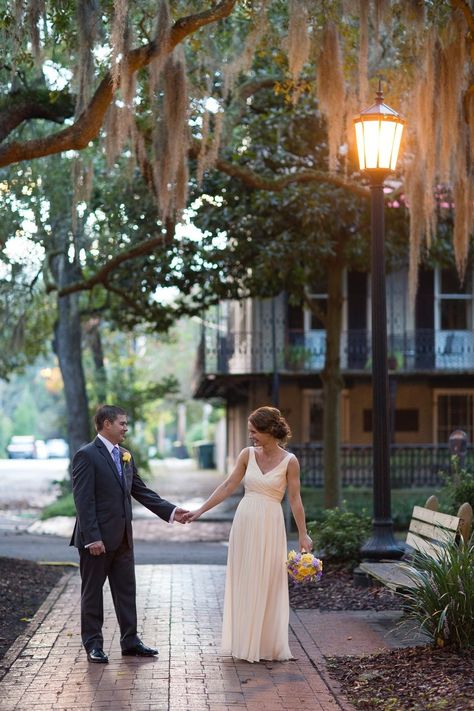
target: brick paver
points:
(179, 610)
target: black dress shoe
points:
(97, 656)
(139, 650)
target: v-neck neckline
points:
(273, 468)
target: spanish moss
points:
(331, 91)
(118, 39)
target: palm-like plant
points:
(442, 602)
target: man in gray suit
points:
(104, 479)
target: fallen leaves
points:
(336, 591)
(410, 679)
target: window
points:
(453, 410)
(318, 296)
(406, 420)
(454, 301)
(454, 337)
(313, 412)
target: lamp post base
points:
(382, 545)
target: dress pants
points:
(119, 567)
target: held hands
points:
(192, 516)
(180, 515)
(306, 544)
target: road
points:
(54, 548)
(29, 483)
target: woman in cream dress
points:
(256, 604)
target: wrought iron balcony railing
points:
(304, 351)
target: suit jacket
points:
(103, 499)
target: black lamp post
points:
(378, 131)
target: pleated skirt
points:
(256, 602)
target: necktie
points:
(116, 458)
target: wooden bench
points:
(429, 530)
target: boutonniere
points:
(126, 457)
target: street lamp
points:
(378, 132)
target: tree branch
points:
(101, 276)
(278, 184)
(86, 128)
(34, 104)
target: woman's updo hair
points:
(270, 421)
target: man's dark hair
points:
(107, 412)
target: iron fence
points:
(410, 465)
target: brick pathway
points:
(179, 611)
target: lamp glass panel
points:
(387, 132)
(396, 145)
(371, 143)
(359, 129)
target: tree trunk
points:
(100, 374)
(68, 348)
(332, 387)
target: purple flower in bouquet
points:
(304, 567)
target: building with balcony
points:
(249, 348)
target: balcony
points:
(245, 352)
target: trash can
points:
(205, 455)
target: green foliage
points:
(458, 487)
(359, 500)
(339, 534)
(442, 602)
(64, 506)
(33, 403)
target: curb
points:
(14, 651)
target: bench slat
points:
(419, 544)
(436, 518)
(428, 530)
(390, 574)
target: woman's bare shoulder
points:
(293, 461)
(244, 454)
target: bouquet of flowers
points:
(304, 567)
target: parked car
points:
(41, 449)
(57, 448)
(21, 447)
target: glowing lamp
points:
(379, 132)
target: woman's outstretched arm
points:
(225, 489)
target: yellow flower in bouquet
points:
(126, 456)
(304, 567)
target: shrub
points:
(339, 534)
(442, 602)
(359, 501)
(458, 487)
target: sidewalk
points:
(179, 608)
(179, 611)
